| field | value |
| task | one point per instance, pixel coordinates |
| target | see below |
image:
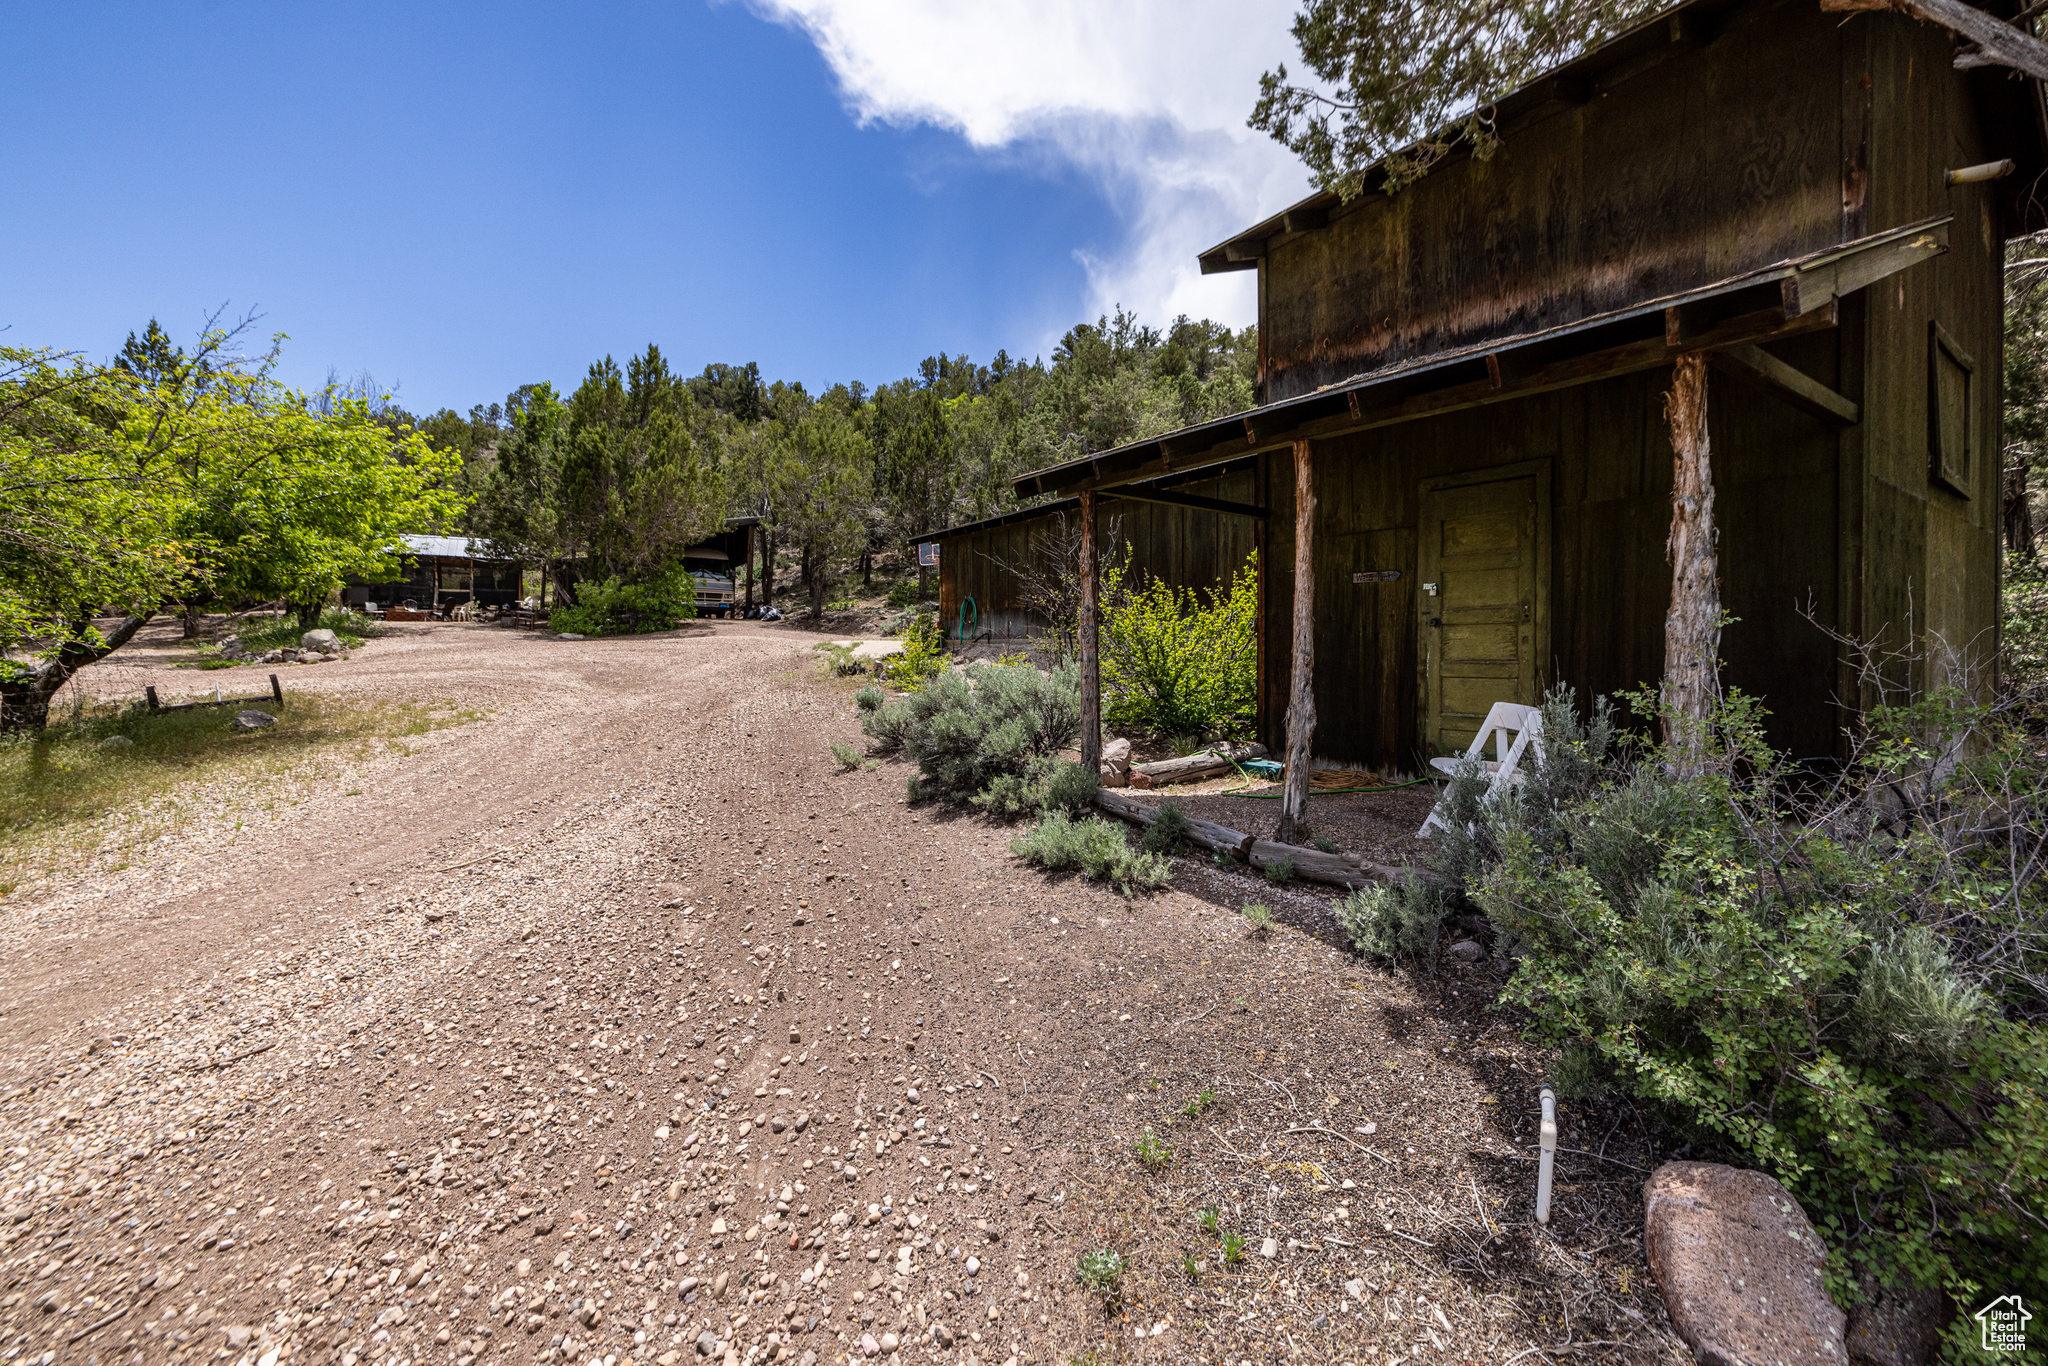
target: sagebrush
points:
(1096, 849)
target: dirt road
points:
(621, 1025)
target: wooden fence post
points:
(1301, 692)
(1091, 663)
(1692, 626)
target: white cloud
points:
(1147, 96)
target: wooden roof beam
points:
(1795, 386)
(1185, 500)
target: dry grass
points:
(68, 803)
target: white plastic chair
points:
(1513, 728)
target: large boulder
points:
(1740, 1268)
(322, 640)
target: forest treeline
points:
(614, 478)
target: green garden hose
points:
(970, 617)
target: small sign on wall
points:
(928, 554)
(1376, 576)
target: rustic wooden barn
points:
(1192, 532)
(1806, 211)
(442, 572)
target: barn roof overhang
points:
(2012, 112)
(1160, 490)
(1791, 297)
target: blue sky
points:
(462, 199)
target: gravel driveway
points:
(621, 1025)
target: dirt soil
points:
(624, 1026)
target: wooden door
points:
(1484, 557)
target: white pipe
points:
(1978, 174)
(1549, 1157)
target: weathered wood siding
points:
(1187, 547)
(1789, 131)
(1608, 458)
(1702, 163)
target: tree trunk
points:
(2019, 513)
(565, 584)
(1091, 662)
(308, 613)
(815, 563)
(191, 621)
(25, 697)
(767, 569)
(1692, 628)
(750, 567)
(867, 568)
(1301, 685)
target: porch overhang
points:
(1792, 297)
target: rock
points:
(868, 1346)
(569, 635)
(115, 743)
(873, 651)
(238, 1337)
(322, 640)
(1141, 781)
(888, 1342)
(1116, 763)
(802, 1121)
(253, 720)
(233, 646)
(1355, 1288)
(1468, 951)
(942, 1335)
(779, 1123)
(1739, 1267)
(707, 1343)
(1270, 1249)
(718, 1285)
(1895, 1327)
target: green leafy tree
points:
(158, 477)
(612, 484)
(819, 476)
(1406, 84)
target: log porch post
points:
(1692, 627)
(1301, 692)
(1091, 664)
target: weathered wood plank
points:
(1798, 388)
(1192, 766)
(1207, 834)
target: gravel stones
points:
(1740, 1267)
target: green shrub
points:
(1845, 999)
(1279, 871)
(839, 660)
(1151, 1150)
(870, 698)
(1182, 660)
(1168, 832)
(1233, 1247)
(1259, 916)
(922, 658)
(1100, 1270)
(971, 726)
(1096, 849)
(903, 593)
(1397, 924)
(617, 608)
(1326, 844)
(847, 756)
(1071, 788)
